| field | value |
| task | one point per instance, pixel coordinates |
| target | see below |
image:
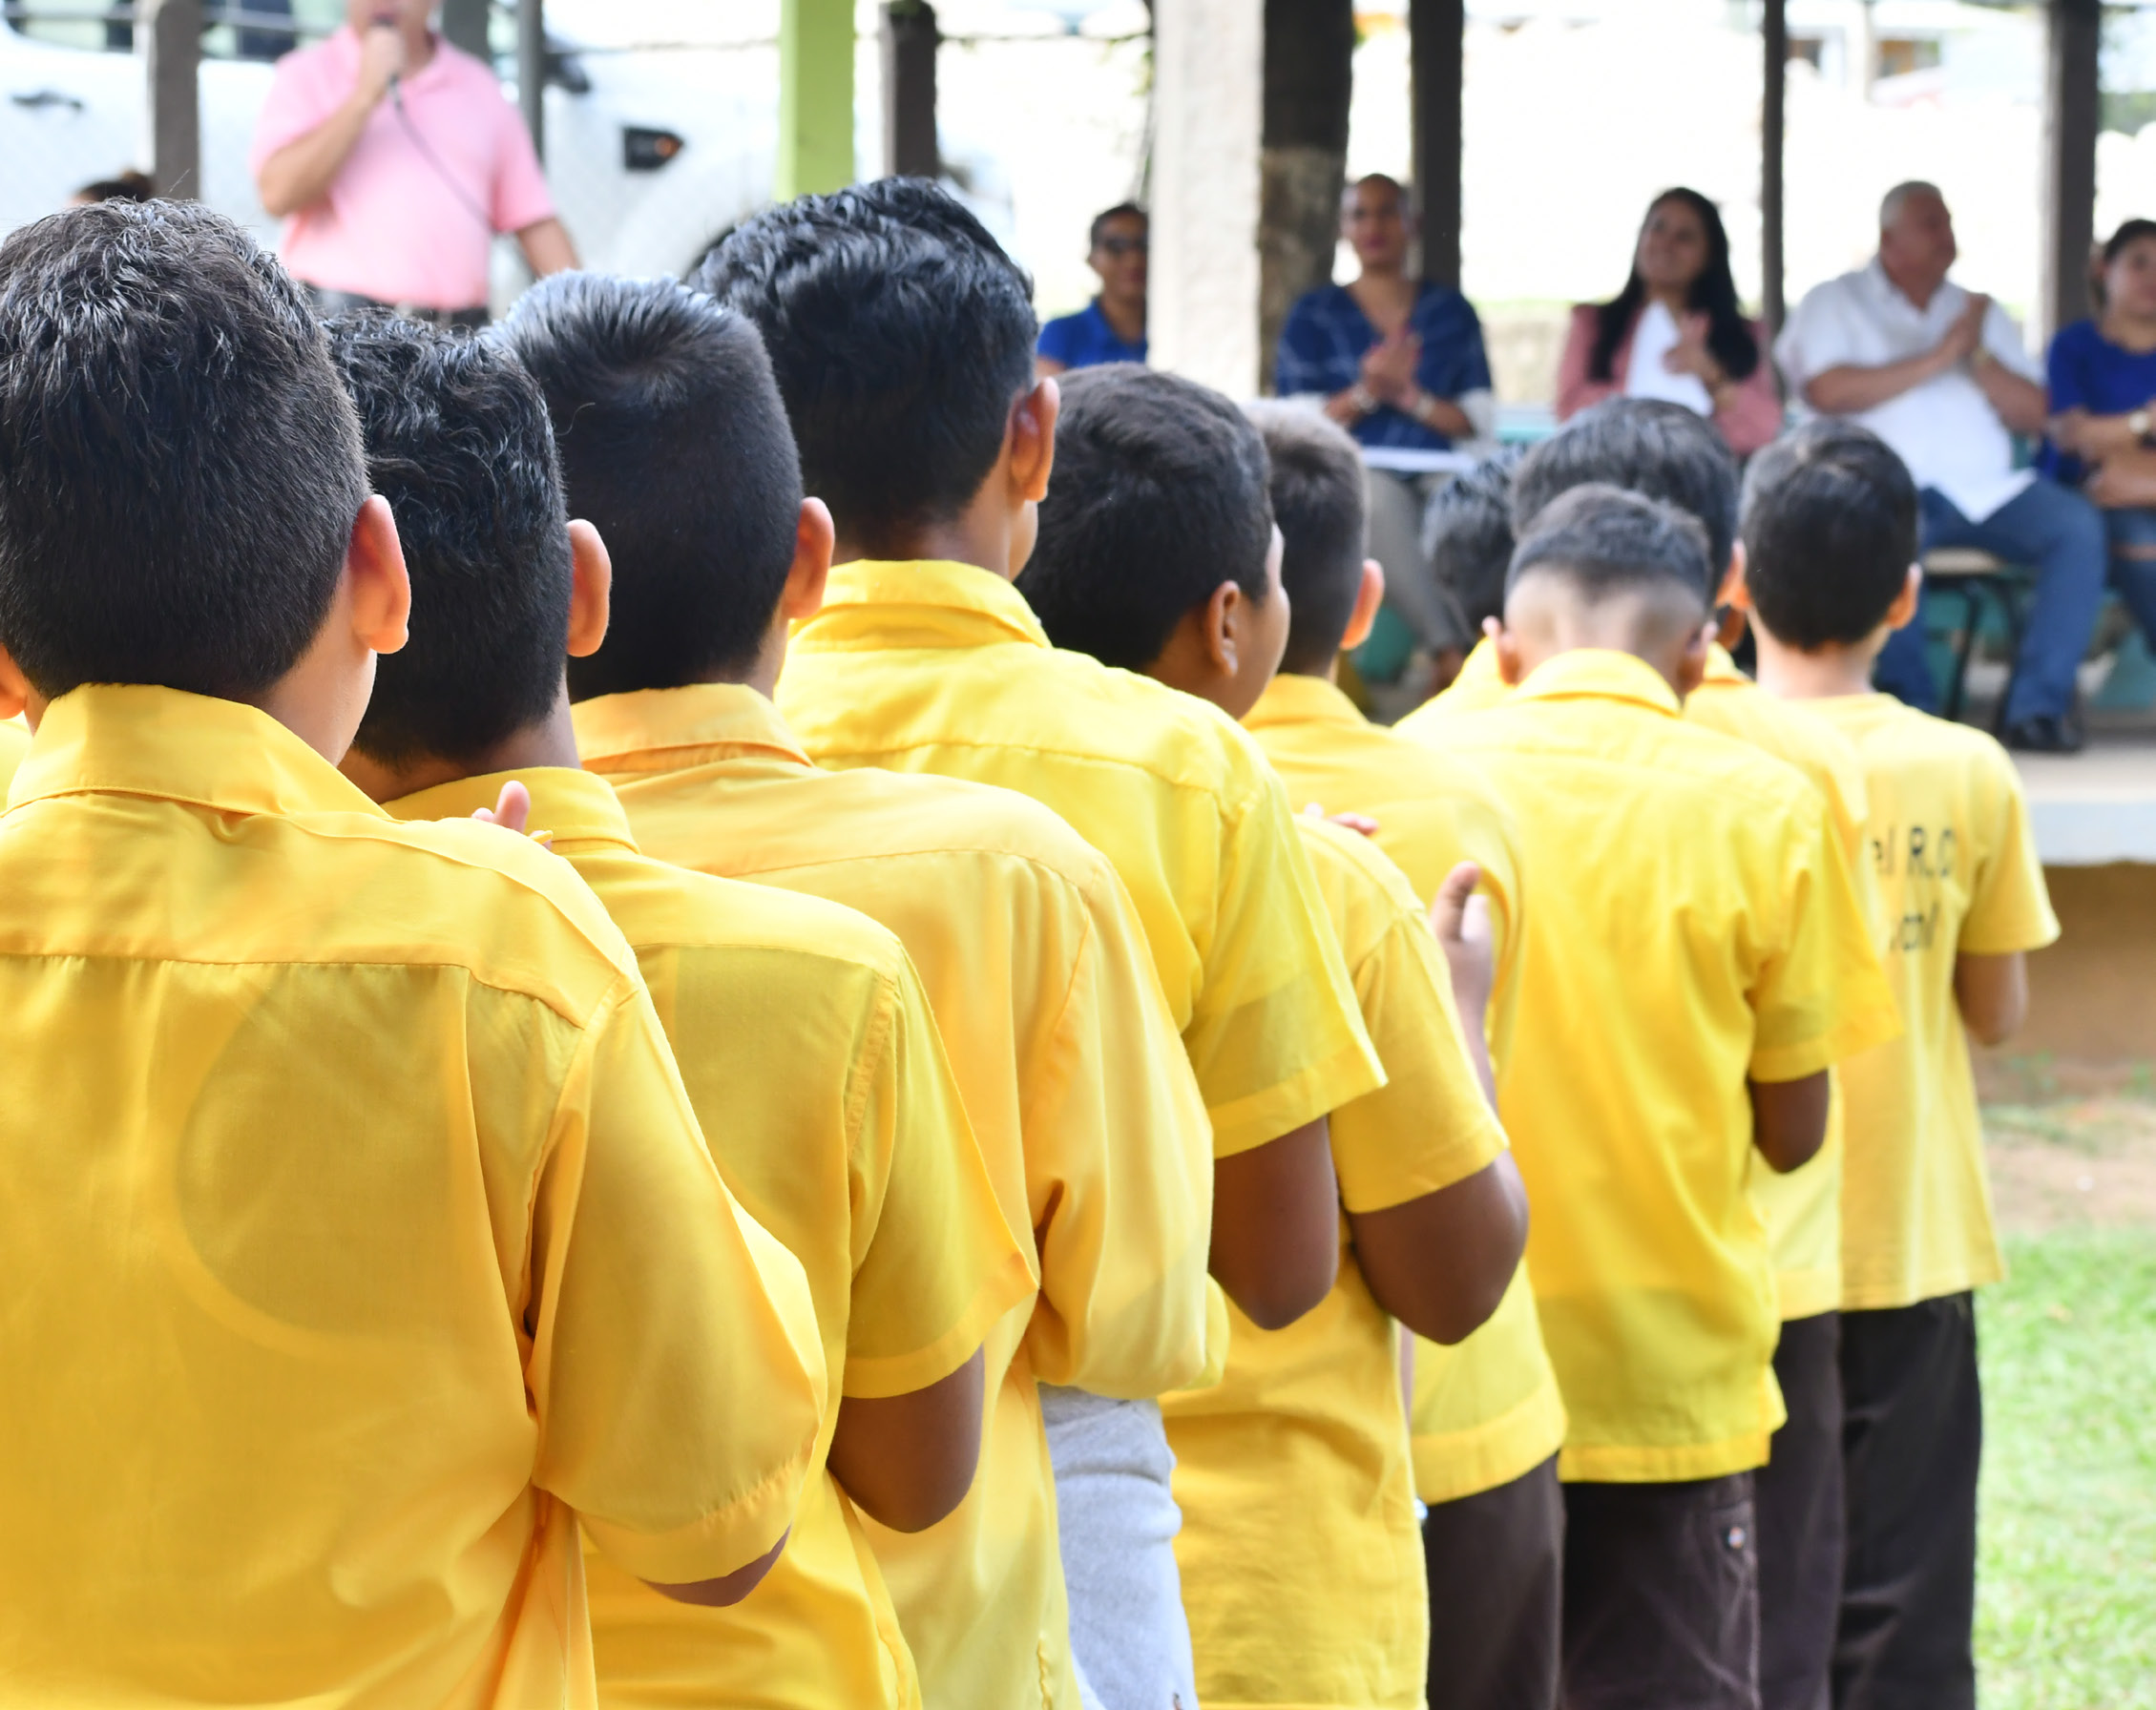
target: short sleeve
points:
(2066, 374)
(941, 1265)
(298, 102)
(675, 1364)
(1059, 341)
(2009, 907)
(1275, 1037)
(522, 198)
(1454, 360)
(1429, 1125)
(1820, 995)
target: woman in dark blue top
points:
(1111, 328)
(2102, 377)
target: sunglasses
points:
(1119, 247)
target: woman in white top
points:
(1675, 331)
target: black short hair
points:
(1605, 540)
(1831, 525)
(1467, 535)
(901, 336)
(1120, 211)
(1644, 445)
(179, 470)
(457, 441)
(1318, 502)
(674, 445)
(1158, 497)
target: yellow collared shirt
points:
(808, 1048)
(353, 1202)
(1074, 1082)
(1302, 1564)
(1692, 927)
(1803, 1208)
(1487, 1410)
(1956, 864)
(940, 667)
(14, 743)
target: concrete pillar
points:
(1309, 83)
(1438, 58)
(1208, 77)
(815, 98)
(1773, 127)
(2071, 97)
(531, 69)
(909, 40)
(172, 43)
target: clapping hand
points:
(1389, 367)
(1461, 921)
(1967, 333)
(512, 810)
(1689, 354)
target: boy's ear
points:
(1511, 667)
(380, 588)
(1691, 664)
(1032, 436)
(1903, 611)
(1220, 626)
(591, 589)
(813, 538)
(14, 686)
(1732, 589)
(1368, 598)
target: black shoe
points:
(2045, 733)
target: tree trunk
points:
(1310, 79)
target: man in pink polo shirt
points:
(396, 161)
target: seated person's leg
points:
(2060, 535)
(2132, 535)
(1393, 536)
(1904, 668)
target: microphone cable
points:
(433, 160)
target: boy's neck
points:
(980, 535)
(1826, 674)
(551, 742)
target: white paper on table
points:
(1644, 377)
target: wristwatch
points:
(1424, 407)
(1362, 398)
(2137, 423)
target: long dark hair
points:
(1728, 335)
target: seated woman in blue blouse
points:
(2104, 414)
(1111, 328)
(1398, 362)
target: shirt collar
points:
(1721, 668)
(570, 810)
(1601, 672)
(1293, 700)
(133, 740)
(663, 730)
(928, 602)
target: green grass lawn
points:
(2066, 1611)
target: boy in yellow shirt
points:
(675, 443)
(1681, 995)
(1668, 452)
(353, 1196)
(902, 337)
(802, 1030)
(1955, 860)
(1486, 1422)
(1302, 1571)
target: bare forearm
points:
(1992, 992)
(1849, 389)
(2020, 402)
(546, 245)
(1276, 1225)
(1345, 407)
(299, 174)
(1441, 1264)
(1446, 417)
(1789, 1119)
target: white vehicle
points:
(655, 142)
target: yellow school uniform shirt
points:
(359, 1239)
(1488, 1409)
(1478, 686)
(1957, 868)
(1692, 926)
(810, 1055)
(1074, 1082)
(941, 667)
(14, 743)
(1803, 1208)
(1302, 1563)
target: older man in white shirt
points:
(1939, 374)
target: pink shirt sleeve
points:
(1754, 415)
(522, 198)
(302, 94)
(1575, 392)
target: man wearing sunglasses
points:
(1112, 327)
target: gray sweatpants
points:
(1119, 1519)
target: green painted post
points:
(815, 96)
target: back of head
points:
(674, 444)
(1644, 445)
(1158, 496)
(457, 441)
(178, 466)
(1317, 484)
(901, 335)
(1468, 535)
(1830, 524)
(1604, 543)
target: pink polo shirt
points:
(392, 227)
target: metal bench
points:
(1981, 582)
